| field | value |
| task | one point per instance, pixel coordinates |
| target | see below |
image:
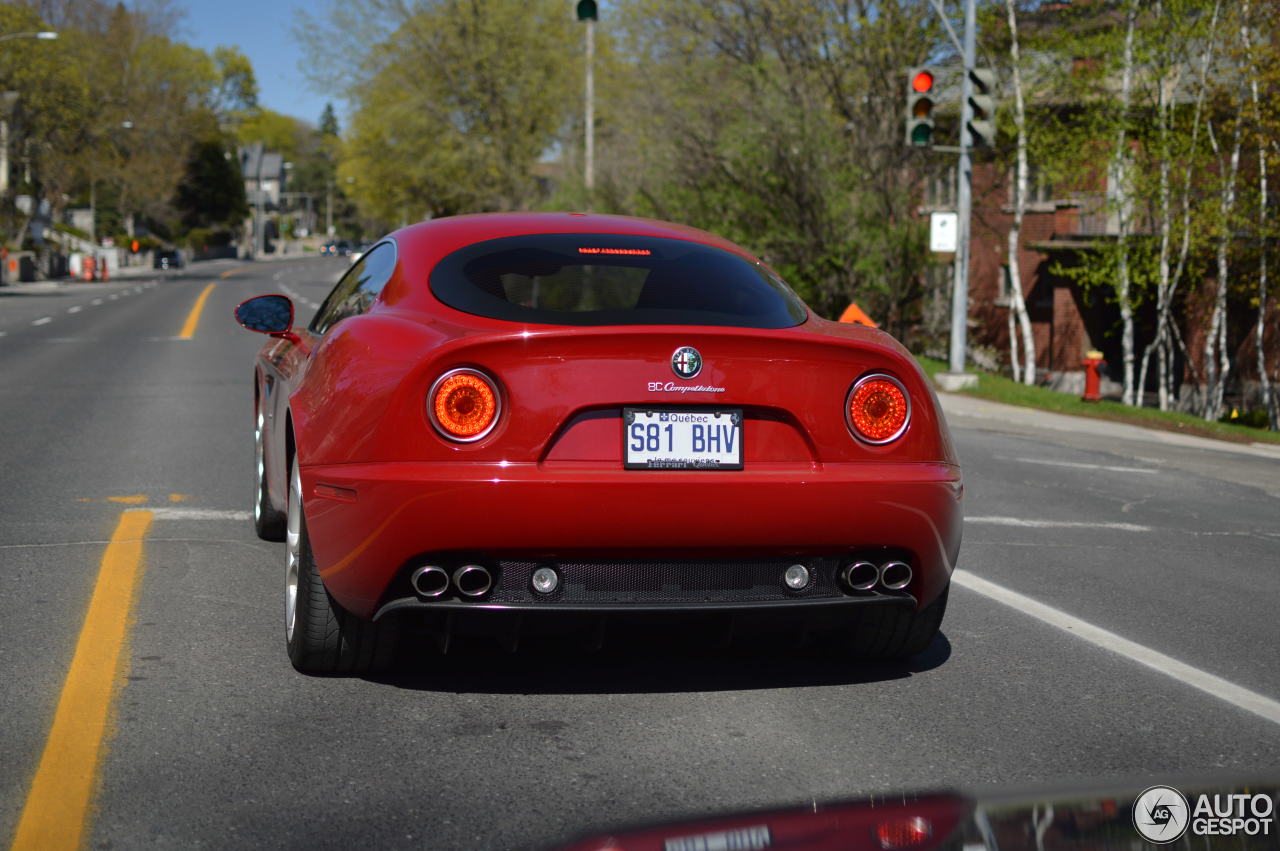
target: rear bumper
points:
(367, 522)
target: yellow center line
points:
(193, 318)
(57, 809)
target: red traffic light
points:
(922, 81)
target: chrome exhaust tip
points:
(472, 580)
(430, 581)
(860, 576)
(895, 575)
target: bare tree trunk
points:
(1014, 366)
(1217, 357)
(1164, 121)
(1124, 284)
(1264, 380)
(1017, 304)
(1169, 282)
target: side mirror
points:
(266, 314)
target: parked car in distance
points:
(168, 258)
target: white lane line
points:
(276, 276)
(96, 302)
(1079, 466)
(112, 297)
(1056, 524)
(194, 514)
(43, 320)
(1206, 682)
(75, 309)
(4, 333)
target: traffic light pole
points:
(956, 378)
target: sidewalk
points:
(960, 406)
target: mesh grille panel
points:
(675, 581)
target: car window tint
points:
(604, 279)
(358, 289)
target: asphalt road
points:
(1173, 548)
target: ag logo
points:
(686, 362)
(1161, 814)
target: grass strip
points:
(997, 388)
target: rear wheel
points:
(267, 521)
(321, 636)
(888, 633)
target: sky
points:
(263, 30)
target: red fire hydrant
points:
(1092, 381)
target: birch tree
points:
(1173, 61)
(1018, 305)
(1261, 62)
(1217, 356)
(1123, 205)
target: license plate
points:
(703, 439)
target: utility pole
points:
(588, 14)
(328, 207)
(590, 154)
(259, 242)
(955, 378)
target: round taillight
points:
(878, 409)
(463, 404)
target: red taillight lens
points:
(464, 405)
(903, 833)
(878, 409)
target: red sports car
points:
(500, 420)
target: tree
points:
(1018, 307)
(455, 101)
(778, 124)
(211, 194)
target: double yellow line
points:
(57, 808)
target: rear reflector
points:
(903, 833)
(463, 404)
(878, 409)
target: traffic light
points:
(982, 103)
(920, 99)
(587, 10)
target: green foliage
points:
(778, 124)
(212, 189)
(456, 102)
(110, 109)
(280, 133)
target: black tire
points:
(268, 522)
(888, 633)
(324, 638)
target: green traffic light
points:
(587, 10)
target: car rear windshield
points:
(599, 279)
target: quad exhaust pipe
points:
(865, 576)
(472, 580)
(430, 581)
(895, 575)
(861, 576)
